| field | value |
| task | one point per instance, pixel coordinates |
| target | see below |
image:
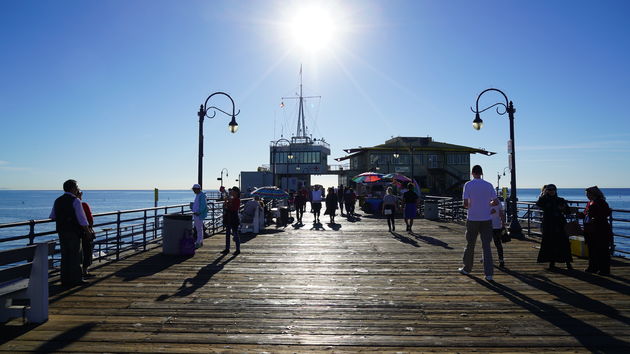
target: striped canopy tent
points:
(368, 177)
(270, 192)
(397, 178)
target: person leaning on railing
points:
(87, 241)
(72, 226)
(598, 233)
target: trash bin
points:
(173, 228)
(431, 209)
(284, 216)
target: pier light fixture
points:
(502, 108)
(204, 109)
(396, 155)
(477, 123)
(290, 156)
(226, 175)
(233, 126)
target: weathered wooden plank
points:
(356, 289)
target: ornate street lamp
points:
(508, 107)
(203, 112)
(499, 179)
(226, 175)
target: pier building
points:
(440, 168)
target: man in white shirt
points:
(316, 202)
(479, 196)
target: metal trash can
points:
(173, 228)
(431, 209)
(283, 220)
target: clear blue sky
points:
(107, 91)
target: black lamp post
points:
(515, 226)
(272, 158)
(395, 155)
(499, 179)
(226, 175)
(203, 112)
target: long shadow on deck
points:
(149, 266)
(404, 239)
(600, 280)
(431, 240)
(190, 285)
(10, 331)
(568, 296)
(62, 340)
(591, 337)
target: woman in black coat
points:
(554, 246)
(331, 204)
(597, 231)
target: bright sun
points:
(313, 28)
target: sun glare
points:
(313, 28)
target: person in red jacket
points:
(597, 231)
(88, 240)
(231, 220)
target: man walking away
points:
(340, 192)
(479, 196)
(72, 227)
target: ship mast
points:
(301, 133)
(301, 126)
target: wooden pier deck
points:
(354, 287)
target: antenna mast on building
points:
(301, 133)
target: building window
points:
(299, 157)
(434, 161)
(401, 160)
(354, 163)
(419, 159)
(457, 159)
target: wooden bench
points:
(25, 278)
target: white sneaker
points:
(462, 271)
(489, 277)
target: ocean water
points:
(16, 206)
